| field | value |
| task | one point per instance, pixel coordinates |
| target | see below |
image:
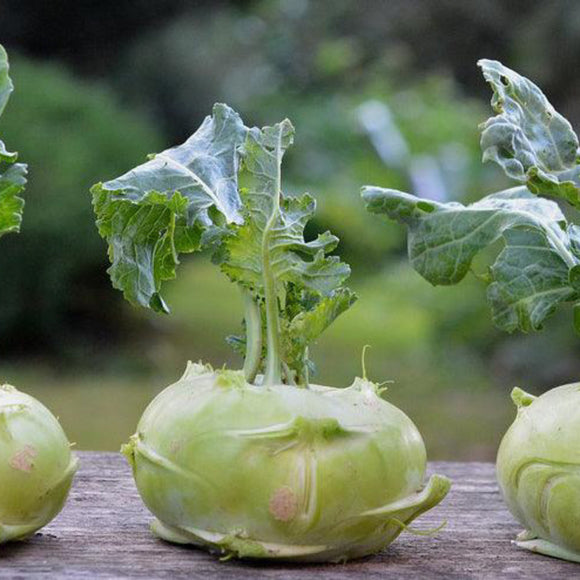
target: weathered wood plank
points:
(103, 533)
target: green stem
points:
(363, 361)
(306, 375)
(273, 374)
(289, 377)
(253, 320)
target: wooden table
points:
(103, 533)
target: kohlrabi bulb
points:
(36, 465)
(306, 474)
(538, 468)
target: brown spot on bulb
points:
(283, 504)
(23, 460)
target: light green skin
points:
(311, 475)
(36, 465)
(538, 469)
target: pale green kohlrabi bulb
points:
(306, 474)
(36, 465)
(538, 469)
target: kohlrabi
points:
(257, 463)
(36, 465)
(538, 468)
(537, 269)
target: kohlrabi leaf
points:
(535, 271)
(301, 330)
(187, 198)
(145, 240)
(532, 275)
(270, 244)
(269, 256)
(6, 86)
(162, 208)
(528, 138)
(12, 174)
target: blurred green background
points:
(382, 93)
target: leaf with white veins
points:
(269, 256)
(528, 138)
(531, 275)
(187, 198)
(272, 236)
(161, 208)
(6, 86)
(12, 174)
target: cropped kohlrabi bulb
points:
(538, 468)
(306, 474)
(36, 465)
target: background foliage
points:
(380, 92)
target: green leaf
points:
(12, 174)
(187, 198)
(533, 273)
(304, 328)
(145, 240)
(528, 138)
(531, 277)
(269, 248)
(12, 182)
(161, 208)
(6, 86)
(272, 236)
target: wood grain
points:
(103, 533)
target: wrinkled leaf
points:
(6, 86)
(531, 275)
(161, 208)
(528, 138)
(145, 240)
(12, 182)
(187, 198)
(272, 236)
(12, 174)
(270, 244)
(304, 328)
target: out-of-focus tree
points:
(88, 35)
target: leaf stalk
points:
(273, 373)
(253, 319)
